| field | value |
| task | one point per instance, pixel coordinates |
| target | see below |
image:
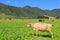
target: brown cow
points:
(41, 27)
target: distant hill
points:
(8, 11)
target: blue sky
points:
(43, 4)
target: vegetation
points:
(26, 12)
(16, 30)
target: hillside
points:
(7, 11)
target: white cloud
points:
(8, 1)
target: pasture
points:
(17, 30)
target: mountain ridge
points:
(27, 11)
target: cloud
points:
(8, 1)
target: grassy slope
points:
(15, 30)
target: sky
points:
(42, 4)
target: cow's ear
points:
(30, 24)
(52, 25)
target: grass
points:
(17, 30)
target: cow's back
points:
(40, 26)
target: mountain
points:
(7, 11)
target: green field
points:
(17, 30)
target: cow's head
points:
(29, 25)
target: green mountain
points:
(7, 11)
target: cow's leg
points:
(51, 34)
(36, 32)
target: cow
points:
(39, 26)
